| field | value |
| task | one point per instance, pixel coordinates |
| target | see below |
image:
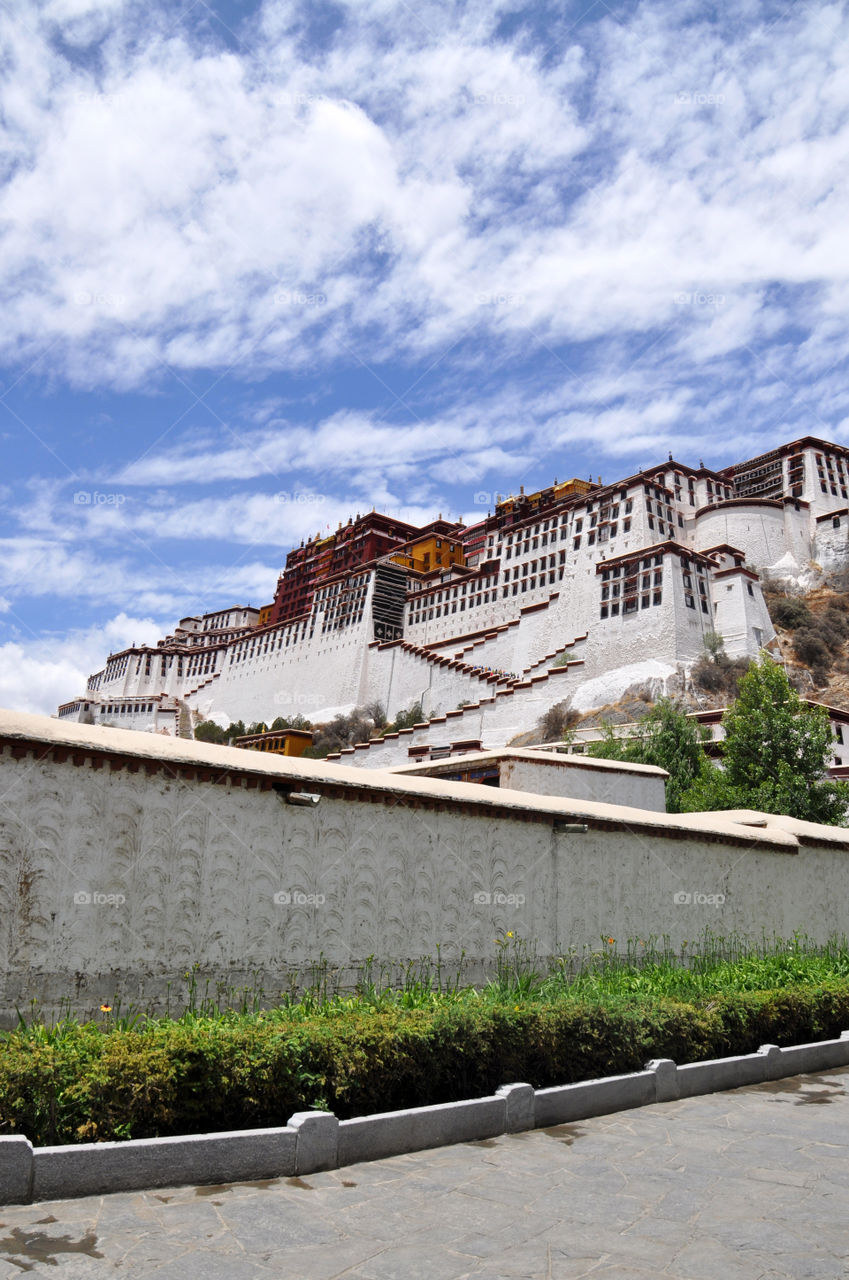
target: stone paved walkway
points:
(747, 1185)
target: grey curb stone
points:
(774, 1061)
(521, 1106)
(15, 1171)
(666, 1079)
(565, 1103)
(93, 1168)
(395, 1132)
(315, 1140)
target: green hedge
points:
(204, 1075)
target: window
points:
(835, 522)
(749, 588)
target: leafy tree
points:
(775, 754)
(665, 737)
(405, 719)
(715, 672)
(209, 731)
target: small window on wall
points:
(750, 590)
(759, 636)
(835, 521)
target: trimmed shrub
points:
(207, 1075)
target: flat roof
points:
(476, 759)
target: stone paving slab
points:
(752, 1184)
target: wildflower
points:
(515, 1008)
(510, 933)
(611, 941)
(106, 1008)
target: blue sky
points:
(267, 265)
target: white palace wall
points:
(126, 859)
(765, 532)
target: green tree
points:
(665, 737)
(775, 755)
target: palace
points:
(488, 625)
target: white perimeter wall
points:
(188, 844)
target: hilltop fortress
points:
(569, 594)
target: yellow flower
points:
(106, 1008)
(515, 1008)
(510, 933)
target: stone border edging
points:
(313, 1141)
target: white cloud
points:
(38, 675)
(270, 206)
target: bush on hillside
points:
(556, 722)
(788, 611)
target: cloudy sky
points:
(267, 265)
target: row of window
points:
(123, 708)
(629, 605)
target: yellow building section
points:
(282, 742)
(562, 490)
(430, 552)
(265, 614)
